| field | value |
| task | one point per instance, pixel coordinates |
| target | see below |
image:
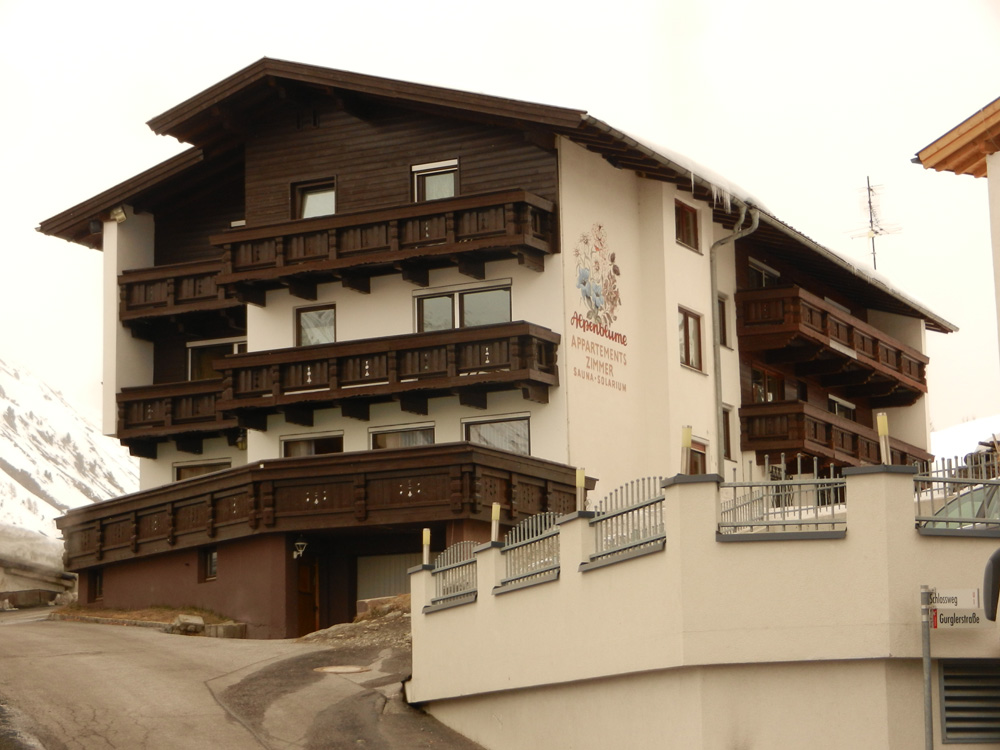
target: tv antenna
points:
(876, 226)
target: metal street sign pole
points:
(925, 601)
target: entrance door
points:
(308, 596)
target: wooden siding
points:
(184, 226)
(371, 158)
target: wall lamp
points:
(300, 548)
(118, 214)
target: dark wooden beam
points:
(414, 273)
(141, 448)
(820, 367)
(361, 284)
(471, 267)
(189, 444)
(850, 377)
(301, 287)
(249, 295)
(474, 399)
(532, 260)
(300, 415)
(793, 355)
(414, 403)
(868, 390)
(252, 420)
(356, 409)
(537, 392)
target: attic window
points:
(686, 222)
(316, 199)
(435, 180)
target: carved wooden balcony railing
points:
(411, 239)
(171, 409)
(469, 362)
(793, 427)
(171, 290)
(375, 489)
(798, 328)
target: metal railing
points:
(629, 519)
(531, 550)
(959, 496)
(455, 572)
(783, 505)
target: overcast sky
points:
(796, 102)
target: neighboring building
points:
(358, 307)
(972, 148)
(720, 617)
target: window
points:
(202, 356)
(506, 434)
(698, 461)
(435, 181)
(970, 700)
(188, 471)
(723, 325)
(842, 408)
(766, 386)
(690, 338)
(686, 223)
(315, 445)
(315, 199)
(727, 434)
(403, 438)
(761, 275)
(315, 325)
(208, 564)
(473, 308)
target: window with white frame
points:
(312, 445)
(315, 325)
(317, 198)
(842, 408)
(435, 180)
(402, 438)
(689, 328)
(686, 225)
(508, 433)
(203, 354)
(461, 309)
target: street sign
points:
(956, 599)
(947, 619)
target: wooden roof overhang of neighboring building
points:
(211, 121)
(964, 148)
(373, 491)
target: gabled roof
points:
(964, 148)
(211, 122)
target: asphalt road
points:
(73, 685)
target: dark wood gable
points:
(370, 152)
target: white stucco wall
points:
(758, 630)
(127, 360)
(159, 471)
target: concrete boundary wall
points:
(708, 620)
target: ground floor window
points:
(402, 438)
(509, 434)
(208, 564)
(95, 591)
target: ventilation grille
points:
(970, 700)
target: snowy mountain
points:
(51, 459)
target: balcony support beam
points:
(356, 282)
(301, 288)
(356, 409)
(472, 267)
(473, 399)
(414, 403)
(250, 295)
(189, 444)
(415, 274)
(300, 415)
(536, 392)
(253, 421)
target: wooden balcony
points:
(791, 326)
(465, 232)
(373, 490)
(467, 362)
(164, 291)
(793, 427)
(186, 412)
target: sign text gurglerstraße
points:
(946, 619)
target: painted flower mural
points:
(597, 276)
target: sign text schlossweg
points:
(603, 363)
